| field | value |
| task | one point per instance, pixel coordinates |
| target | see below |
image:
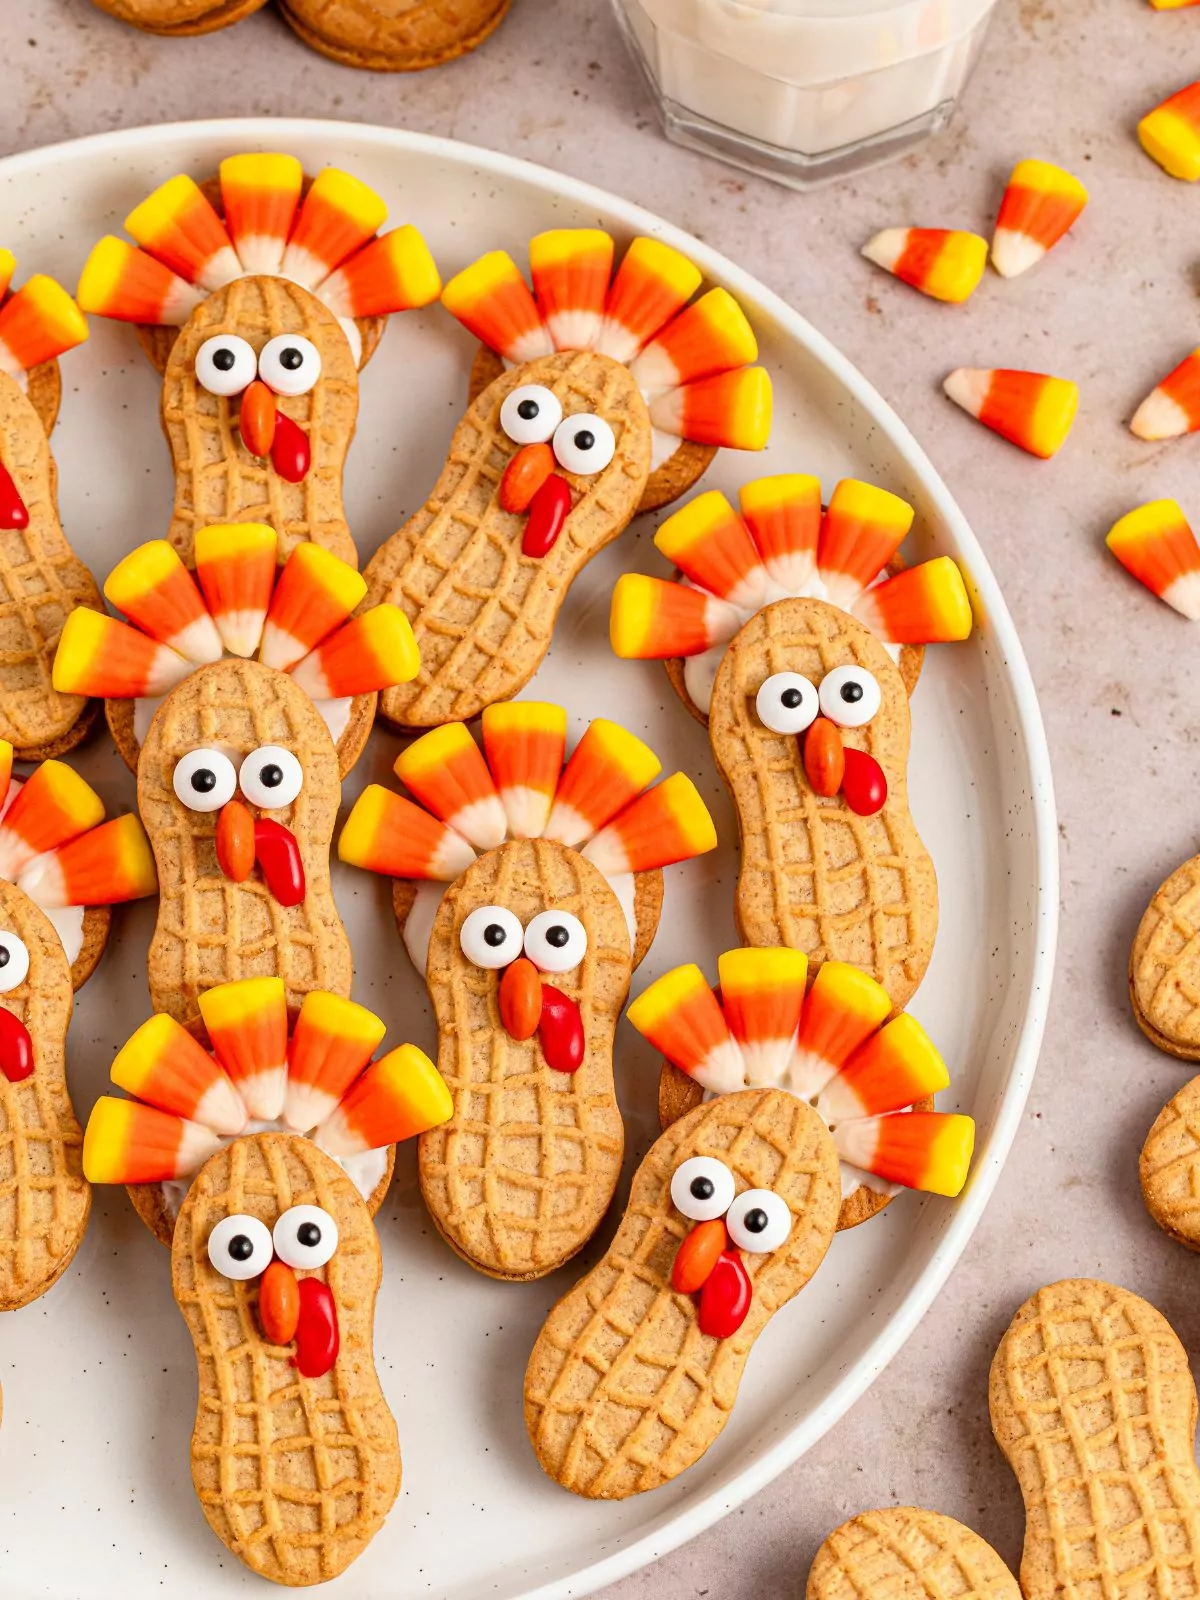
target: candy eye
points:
(849, 696)
(555, 941)
(271, 776)
(225, 364)
(759, 1220)
(305, 1236)
(240, 1247)
(204, 780)
(530, 414)
(584, 444)
(491, 937)
(787, 703)
(14, 962)
(289, 364)
(702, 1188)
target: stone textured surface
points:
(1113, 308)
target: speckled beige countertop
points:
(1064, 79)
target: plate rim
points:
(696, 1515)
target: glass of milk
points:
(805, 90)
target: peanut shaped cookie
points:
(906, 1553)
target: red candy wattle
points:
(560, 1030)
(725, 1298)
(290, 455)
(548, 510)
(864, 786)
(317, 1337)
(278, 855)
(16, 1048)
(13, 512)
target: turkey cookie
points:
(384, 36)
(526, 893)
(808, 711)
(1094, 1408)
(637, 1368)
(906, 1553)
(42, 580)
(239, 604)
(871, 1080)
(267, 302)
(275, 1262)
(180, 19)
(1164, 965)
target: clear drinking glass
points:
(805, 90)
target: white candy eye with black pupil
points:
(555, 941)
(225, 364)
(787, 703)
(204, 779)
(530, 414)
(14, 962)
(289, 364)
(491, 937)
(759, 1221)
(305, 1236)
(702, 1188)
(271, 776)
(850, 696)
(240, 1247)
(584, 444)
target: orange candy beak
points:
(257, 419)
(524, 475)
(242, 841)
(521, 998)
(698, 1255)
(279, 1303)
(833, 769)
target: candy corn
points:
(372, 652)
(1170, 134)
(571, 268)
(929, 1150)
(247, 1023)
(51, 807)
(492, 300)
(130, 285)
(260, 193)
(653, 283)
(6, 766)
(1026, 408)
(97, 655)
(653, 620)
(315, 593)
(666, 824)
(446, 772)
(524, 742)
(1173, 406)
(235, 566)
(395, 272)
(731, 410)
(680, 1016)
(1040, 204)
(926, 604)
(102, 867)
(944, 263)
(711, 336)
(164, 1066)
(843, 1008)
(762, 993)
(783, 515)
(1173, 5)
(1156, 544)
(337, 217)
(387, 833)
(178, 227)
(711, 545)
(126, 1142)
(37, 324)
(155, 590)
(862, 529)
(331, 1044)
(608, 768)
(892, 1070)
(8, 265)
(397, 1097)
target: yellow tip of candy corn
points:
(1170, 134)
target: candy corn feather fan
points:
(467, 801)
(694, 363)
(266, 221)
(781, 543)
(320, 1082)
(297, 618)
(833, 1046)
(38, 323)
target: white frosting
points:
(700, 672)
(66, 920)
(334, 713)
